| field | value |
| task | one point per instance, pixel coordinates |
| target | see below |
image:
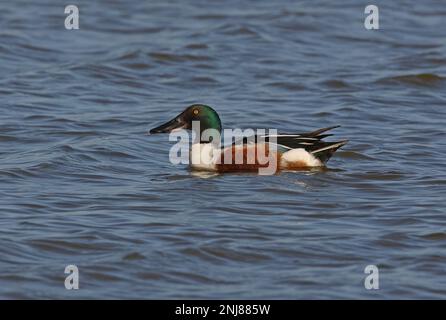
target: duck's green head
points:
(207, 117)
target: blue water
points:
(82, 183)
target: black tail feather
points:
(325, 152)
(310, 141)
(319, 131)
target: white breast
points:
(204, 156)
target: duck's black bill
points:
(176, 123)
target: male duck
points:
(282, 151)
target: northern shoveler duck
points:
(284, 151)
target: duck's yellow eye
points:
(195, 111)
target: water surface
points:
(81, 182)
